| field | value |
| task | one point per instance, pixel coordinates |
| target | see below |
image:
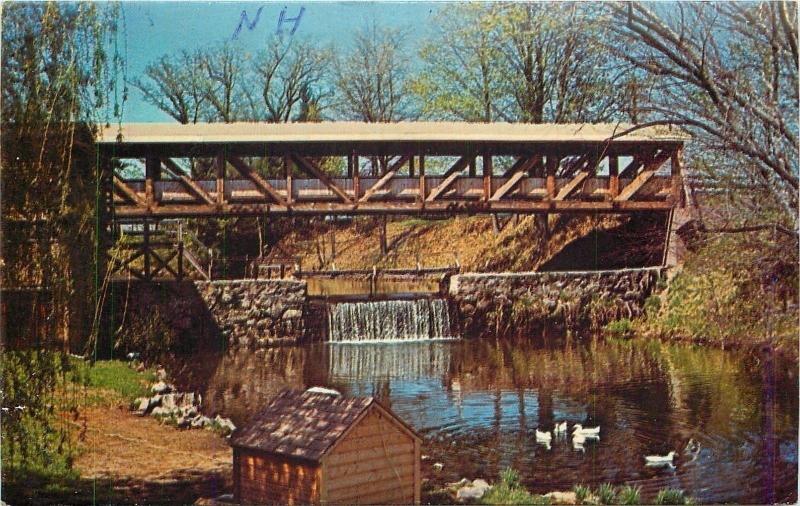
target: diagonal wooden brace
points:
(522, 166)
(311, 168)
(450, 176)
(572, 185)
(194, 188)
(128, 192)
(267, 189)
(390, 173)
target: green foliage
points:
(652, 305)
(41, 391)
(582, 493)
(518, 62)
(629, 495)
(732, 291)
(607, 494)
(510, 491)
(115, 376)
(671, 496)
(619, 328)
(510, 477)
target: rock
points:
(161, 388)
(225, 423)
(463, 482)
(425, 457)
(291, 314)
(188, 411)
(142, 405)
(562, 497)
(189, 399)
(438, 466)
(168, 400)
(161, 374)
(474, 491)
(161, 412)
(200, 421)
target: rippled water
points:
(478, 402)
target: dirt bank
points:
(137, 459)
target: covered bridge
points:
(423, 167)
(316, 447)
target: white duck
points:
(660, 459)
(587, 432)
(577, 443)
(544, 438)
(560, 428)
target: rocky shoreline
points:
(181, 409)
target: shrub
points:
(606, 494)
(629, 495)
(581, 493)
(671, 496)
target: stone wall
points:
(256, 313)
(183, 316)
(518, 303)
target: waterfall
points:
(389, 320)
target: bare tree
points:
(370, 80)
(289, 82)
(224, 70)
(728, 72)
(173, 85)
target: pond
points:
(732, 421)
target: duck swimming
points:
(660, 459)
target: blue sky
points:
(156, 28)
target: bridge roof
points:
(345, 131)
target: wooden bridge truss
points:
(424, 168)
(490, 168)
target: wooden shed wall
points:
(376, 462)
(262, 478)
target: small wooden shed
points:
(312, 447)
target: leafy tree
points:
(61, 76)
(529, 62)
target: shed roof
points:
(304, 425)
(351, 131)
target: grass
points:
(582, 493)
(607, 493)
(629, 495)
(733, 291)
(113, 381)
(671, 496)
(619, 328)
(510, 491)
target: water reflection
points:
(479, 402)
